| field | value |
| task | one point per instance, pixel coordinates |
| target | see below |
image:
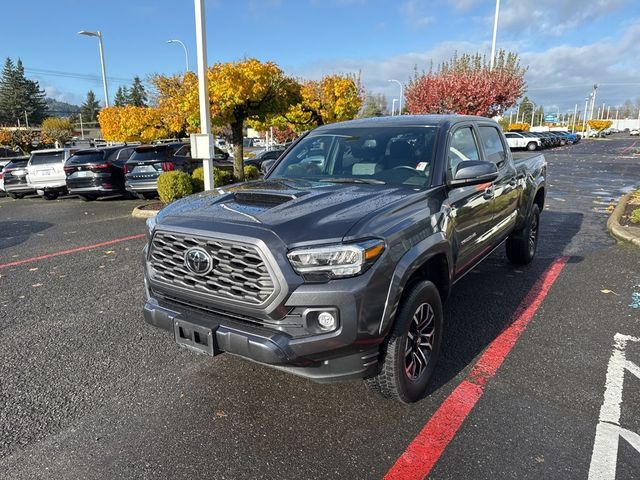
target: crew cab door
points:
(471, 206)
(506, 188)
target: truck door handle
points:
(488, 193)
(513, 182)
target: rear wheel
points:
(15, 196)
(50, 195)
(522, 244)
(412, 347)
(531, 146)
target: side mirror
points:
(474, 172)
(266, 166)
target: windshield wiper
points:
(369, 181)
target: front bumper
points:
(271, 347)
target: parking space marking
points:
(72, 250)
(424, 451)
(608, 432)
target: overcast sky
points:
(568, 45)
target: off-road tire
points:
(523, 244)
(393, 380)
(531, 146)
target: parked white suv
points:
(45, 171)
(517, 140)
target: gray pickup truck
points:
(335, 266)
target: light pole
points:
(495, 33)
(186, 54)
(104, 72)
(593, 100)
(401, 95)
(586, 107)
(393, 107)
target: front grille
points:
(239, 273)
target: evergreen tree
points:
(19, 96)
(7, 92)
(122, 97)
(90, 108)
(137, 94)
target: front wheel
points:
(87, 198)
(16, 196)
(522, 244)
(531, 146)
(412, 347)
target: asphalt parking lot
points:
(88, 390)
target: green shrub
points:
(174, 185)
(251, 173)
(197, 180)
(635, 216)
(220, 177)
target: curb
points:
(139, 213)
(619, 231)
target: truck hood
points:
(297, 211)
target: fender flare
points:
(408, 264)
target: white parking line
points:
(608, 432)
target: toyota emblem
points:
(198, 260)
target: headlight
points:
(335, 261)
(151, 223)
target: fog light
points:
(326, 321)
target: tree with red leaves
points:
(466, 85)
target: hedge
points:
(174, 185)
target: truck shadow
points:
(14, 233)
(483, 303)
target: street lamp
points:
(495, 33)
(401, 95)
(184, 47)
(104, 72)
(393, 107)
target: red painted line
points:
(424, 451)
(629, 147)
(72, 250)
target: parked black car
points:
(147, 162)
(15, 179)
(96, 172)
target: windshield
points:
(392, 155)
(46, 158)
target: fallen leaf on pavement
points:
(220, 413)
(606, 290)
(36, 285)
(109, 252)
(33, 269)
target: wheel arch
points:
(430, 260)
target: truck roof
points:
(404, 120)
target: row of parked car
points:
(130, 170)
(539, 140)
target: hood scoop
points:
(263, 199)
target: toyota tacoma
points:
(335, 266)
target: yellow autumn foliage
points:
(130, 124)
(518, 126)
(599, 125)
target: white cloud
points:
(54, 92)
(560, 76)
(415, 13)
(552, 17)
(463, 5)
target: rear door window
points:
(492, 143)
